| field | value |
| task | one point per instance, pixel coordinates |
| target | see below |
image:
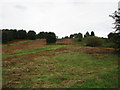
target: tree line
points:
(14, 34)
(80, 36)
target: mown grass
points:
(66, 69)
(31, 51)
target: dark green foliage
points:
(31, 35)
(87, 34)
(108, 43)
(4, 37)
(77, 36)
(92, 33)
(22, 34)
(115, 37)
(42, 35)
(111, 36)
(117, 41)
(12, 34)
(51, 38)
(93, 41)
(72, 35)
(66, 37)
(7, 35)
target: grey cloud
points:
(18, 6)
(62, 17)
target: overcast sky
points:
(64, 17)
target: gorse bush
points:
(93, 41)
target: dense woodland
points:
(13, 34)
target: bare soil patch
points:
(42, 53)
(65, 41)
(14, 42)
(95, 51)
(30, 45)
(27, 45)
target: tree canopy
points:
(14, 34)
(51, 38)
(31, 35)
(87, 34)
(92, 33)
(116, 35)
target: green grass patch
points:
(21, 42)
(65, 69)
(87, 69)
(65, 43)
(31, 51)
(106, 80)
(0, 55)
(41, 77)
(26, 84)
(85, 60)
(109, 44)
(55, 80)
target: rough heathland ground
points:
(33, 64)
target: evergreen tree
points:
(92, 33)
(87, 34)
(116, 38)
(71, 36)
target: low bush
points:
(93, 41)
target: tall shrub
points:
(93, 41)
(51, 38)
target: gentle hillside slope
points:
(36, 65)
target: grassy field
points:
(66, 65)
